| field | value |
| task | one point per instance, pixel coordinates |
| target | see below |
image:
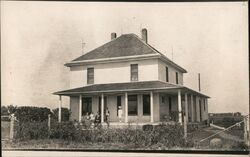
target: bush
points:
(65, 113)
(32, 114)
(63, 130)
(31, 130)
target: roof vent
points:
(113, 36)
(144, 35)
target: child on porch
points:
(120, 113)
(107, 116)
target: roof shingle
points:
(125, 45)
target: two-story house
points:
(129, 73)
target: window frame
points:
(167, 74)
(129, 103)
(177, 77)
(90, 78)
(148, 105)
(134, 72)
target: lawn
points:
(195, 136)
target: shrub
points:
(65, 113)
(63, 130)
(31, 130)
(32, 114)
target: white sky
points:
(37, 38)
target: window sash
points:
(132, 105)
(167, 77)
(146, 104)
(90, 75)
(134, 72)
(177, 78)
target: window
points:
(134, 72)
(167, 74)
(204, 104)
(86, 105)
(146, 104)
(132, 105)
(170, 104)
(118, 103)
(177, 79)
(90, 75)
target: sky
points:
(37, 38)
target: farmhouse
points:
(128, 73)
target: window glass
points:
(132, 105)
(134, 72)
(146, 104)
(167, 74)
(90, 75)
(177, 79)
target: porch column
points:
(185, 116)
(102, 109)
(80, 108)
(126, 107)
(192, 108)
(179, 107)
(151, 107)
(186, 107)
(60, 109)
(197, 109)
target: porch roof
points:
(126, 87)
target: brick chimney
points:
(144, 35)
(113, 36)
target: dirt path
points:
(225, 135)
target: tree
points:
(65, 113)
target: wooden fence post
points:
(49, 121)
(245, 131)
(185, 127)
(12, 125)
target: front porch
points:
(139, 106)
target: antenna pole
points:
(199, 81)
(172, 53)
(83, 45)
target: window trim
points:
(132, 73)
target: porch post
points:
(102, 109)
(151, 107)
(80, 108)
(126, 107)
(60, 109)
(186, 107)
(197, 109)
(192, 108)
(179, 107)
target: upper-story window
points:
(177, 77)
(134, 72)
(90, 76)
(167, 79)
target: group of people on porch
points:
(92, 121)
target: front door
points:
(86, 105)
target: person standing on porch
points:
(120, 113)
(107, 116)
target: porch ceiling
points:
(111, 88)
